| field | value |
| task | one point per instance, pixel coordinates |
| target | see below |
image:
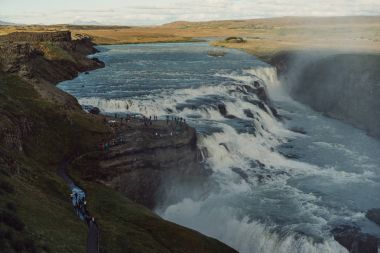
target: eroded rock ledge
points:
(37, 36)
(42, 60)
(142, 159)
(47, 58)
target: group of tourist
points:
(79, 202)
(177, 121)
(174, 124)
(148, 121)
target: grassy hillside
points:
(36, 213)
(54, 52)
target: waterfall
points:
(257, 199)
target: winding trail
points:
(79, 196)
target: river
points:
(273, 189)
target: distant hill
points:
(6, 23)
(275, 22)
(86, 22)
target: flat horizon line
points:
(9, 23)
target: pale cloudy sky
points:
(147, 12)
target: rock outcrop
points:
(13, 130)
(235, 40)
(354, 240)
(51, 57)
(59, 36)
(47, 58)
(143, 160)
(374, 215)
(25, 55)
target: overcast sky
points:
(147, 12)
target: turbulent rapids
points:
(283, 175)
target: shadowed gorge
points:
(343, 86)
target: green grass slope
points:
(36, 215)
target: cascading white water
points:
(225, 221)
(258, 199)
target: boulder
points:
(354, 240)
(298, 130)
(275, 112)
(95, 110)
(222, 109)
(248, 113)
(235, 40)
(259, 104)
(374, 215)
(261, 94)
(216, 53)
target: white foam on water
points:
(154, 104)
(242, 233)
(238, 151)
(267, 75)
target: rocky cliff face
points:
(61, 36)
(343, 86)
(143, 160)
(42, 59)
(47, 58)
(13, 130)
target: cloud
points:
(198, 10)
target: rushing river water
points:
(272, 190)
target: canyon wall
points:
(51, 56)
(47, 58)
(341, 85)
(143, 165)
(58, 36)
